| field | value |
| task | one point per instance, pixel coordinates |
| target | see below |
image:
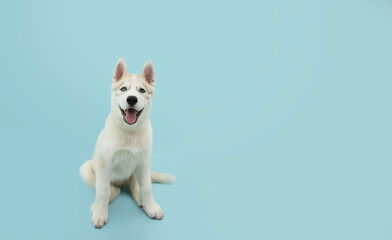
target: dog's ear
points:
(149, 73)
(119, 70)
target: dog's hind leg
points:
(135, 191)
(155, 178)
(88, 175)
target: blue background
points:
(275, 117)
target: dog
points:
(122, 151)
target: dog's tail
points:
(162, 178)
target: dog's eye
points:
(123, 89)
(142, 90)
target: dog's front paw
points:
(153, 211)
(100, 215)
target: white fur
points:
(122, 151)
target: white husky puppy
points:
(122, 151)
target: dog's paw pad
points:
(153, 211)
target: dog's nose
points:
(132, 100)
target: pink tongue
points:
(130, 116)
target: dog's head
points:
(132, 93)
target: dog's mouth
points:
(131, 115)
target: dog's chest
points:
(124, 163)
(135, 143)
